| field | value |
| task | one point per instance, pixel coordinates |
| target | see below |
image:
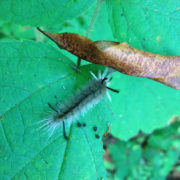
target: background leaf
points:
(148, 25)
(152, 26)
(143, 157)
(42, 13)
(142, 104)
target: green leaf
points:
(142, 104)
(151, 25)
(81, 24)
(41, 13)
(100, 23)
(13, 31)
(33, 74)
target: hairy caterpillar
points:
(83, 100)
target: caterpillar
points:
(85, 98)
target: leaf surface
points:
(42, 13)
(28, 82)
(142, 104)
(151, 25)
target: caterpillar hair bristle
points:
(84, 99)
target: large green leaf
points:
(100, 24)
(81, 24)
(41, 13)
(33, 74)
(152, 26)
(142, 104)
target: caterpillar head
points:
(105, 79)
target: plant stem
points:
(96, 10)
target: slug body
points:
(129, 60)
(122, 57)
